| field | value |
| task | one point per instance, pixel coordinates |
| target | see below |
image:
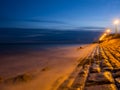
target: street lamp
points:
(116, 23)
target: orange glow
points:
(116, 22)
(103, 36)
(108, 31)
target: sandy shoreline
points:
(51, 67)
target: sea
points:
(18, 40)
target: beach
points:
(59, 45)
(49, 67)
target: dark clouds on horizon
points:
(6, 19)
(41, 21)
(45, 36)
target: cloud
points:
(34, 35)
(90, 28)
(45, 21)
(51, 23)
(31, 20)
(35, 22)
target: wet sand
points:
(49, 68)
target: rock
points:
(83, 72)
(107, 68)
(80, 47)
(117, 80)
(102, 87)
(79, 82)
(116, 74)
(96, 56)
(100, 78)
(97, 62)
(105, 63)
(20, 78)
(81, 78)
(116, 70)
(115, 63)
(95, 68)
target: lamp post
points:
(116, 23)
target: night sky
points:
(62, 14)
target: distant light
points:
(103, 36)
(116, 22)
(108, 31)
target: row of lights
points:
(105, 34)
(116, 23)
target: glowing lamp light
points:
(108, 31)
(116, 22)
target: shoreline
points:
(25, 48)
(58, 63)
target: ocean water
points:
(20, 40)
(23, 48)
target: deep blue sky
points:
(58, 13)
